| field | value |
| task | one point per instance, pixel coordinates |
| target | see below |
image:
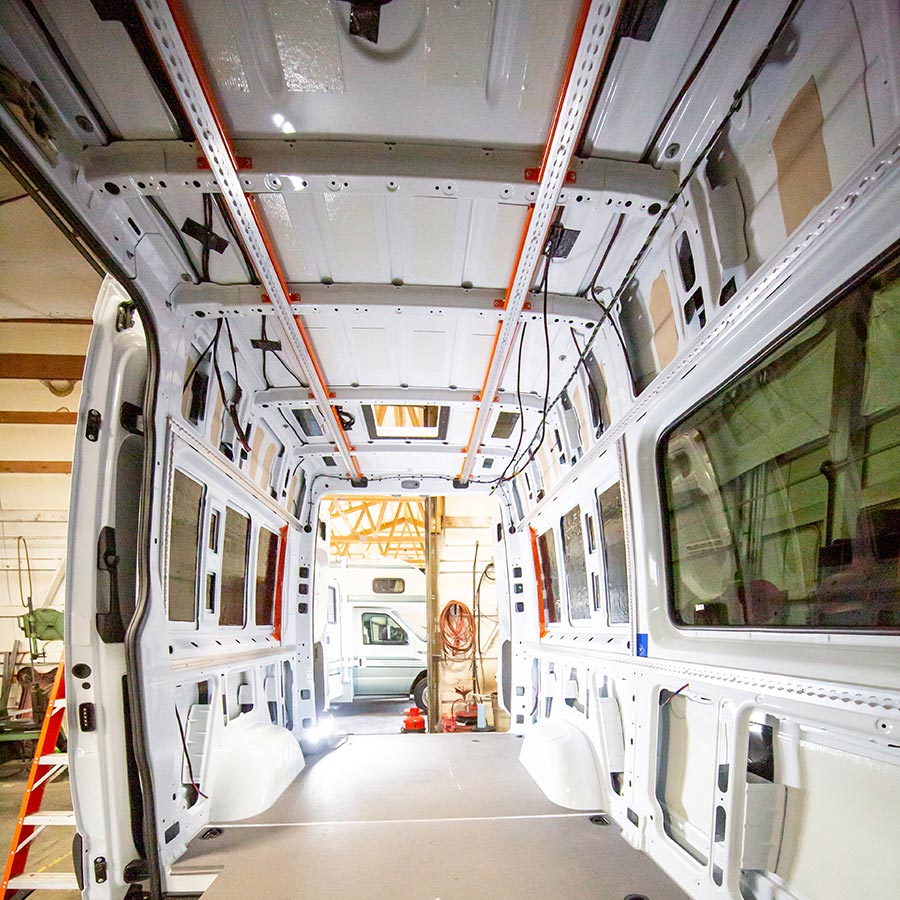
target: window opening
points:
(380, 628)
(505, 424)
(612, 524)
(549, 576)
(576, 572)
(388, 585)
(407, 421)
(234, 568)
(214, 531)
(783, 489)
(308, 422)
(211, 592)
(266, 575)
(184, 541)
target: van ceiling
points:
(394, 178)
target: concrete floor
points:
(51, 851)
(416, 817)
(370, 716)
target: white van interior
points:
(629, 271)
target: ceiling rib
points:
(593, 33)
(171, 34)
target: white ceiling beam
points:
(298, 398)
(163, 168)
(441, 302)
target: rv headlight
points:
(312, 735)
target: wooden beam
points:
(29, 417)
(34, 467)
(22, 516)
(42, 366)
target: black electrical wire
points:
(263, 339)
(618, 227)
(607, 315)
(698, 66)
(187, 756)
(289, 370)
(161, 212)
(533, 447)
(200, 359)
(207, 225)
(230, 405)
(639, 258)
(515, 452)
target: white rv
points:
(376, 640)
(631, 267)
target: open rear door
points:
(107, 475)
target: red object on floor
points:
(414, 720)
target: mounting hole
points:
(111, 188)
(654, 208)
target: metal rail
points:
(170, 31)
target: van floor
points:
(422, 817)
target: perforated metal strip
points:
(586, 69)
(166, 26)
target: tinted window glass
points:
(388, 585)
(184, 539)
(612, 525)
(576, 573)
(234, 568)
(380, 628)
(549, 576)
(266, 575)
(783, 490)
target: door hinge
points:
(125, 316)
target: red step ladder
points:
(46, 765)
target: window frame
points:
(886, 259)
(387, 615)
(193, 623)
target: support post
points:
(434, 514)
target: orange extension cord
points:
(457, 628)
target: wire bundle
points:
(457, 627)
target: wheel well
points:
(420, 677)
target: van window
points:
(576, 573)
(783, 490)
(332, 606)
(380, 628)
(234, 568)
(612, 525)
(184, 540)
(388, 585)
(549, 576)
(266, 575)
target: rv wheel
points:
(420, 693)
